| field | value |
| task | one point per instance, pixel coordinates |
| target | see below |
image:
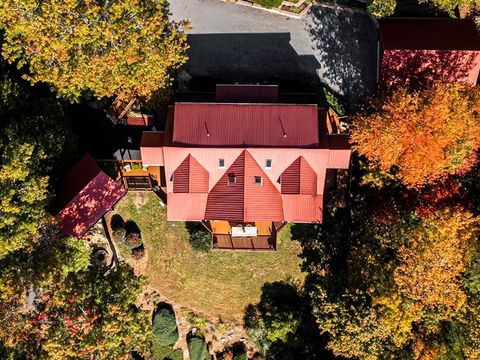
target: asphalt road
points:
(234, 43)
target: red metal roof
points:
(92, 193)
(241, 199)
(190, 177)
(417, 52)
(226, 200)
(151, 149)
(417, 68)
(299, 178)
(140, 120)
(429, 34)
(246, 93)
(303, 208)
(255, 125)
(186, 206)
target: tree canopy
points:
(97, 48)
(423, 136)
(55, 306)
(33, 135)
(383, 8)
(399, 285)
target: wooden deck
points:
(222, 238)
(258, 243)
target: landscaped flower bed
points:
(268, 3)
(295, 8)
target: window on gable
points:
(232, 179)
(268, 164)
(221, 163)
(257, 180)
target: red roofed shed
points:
(86, 195)
(416, 52)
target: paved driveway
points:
(230, 42)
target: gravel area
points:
(230, 42)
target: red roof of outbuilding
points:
(429, 34)
(140, 120)
(246, 93)
(245, 125)
(417, 52)
(86, 195)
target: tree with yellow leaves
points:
(94, 48)
(434, 257)
(399, 284)
(33, 135)
(420, 137)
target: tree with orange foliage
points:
(420, 137)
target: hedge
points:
(165, 326)
(197, 348)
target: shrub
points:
(133, 240)
(119, 234)
(165, 326)
(334, 102)
(138, 252)
(116, 222)
(197, 348)
(199, 237)
(161, 352)
(235, 352)
(268, 3)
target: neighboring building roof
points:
(429, 34)
(86, 195)
(245, 125)
(417, 52)
(236, 196)
(246, 93)
(190, 177)
(151, 148)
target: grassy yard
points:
(217, 283)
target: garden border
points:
(275, 11)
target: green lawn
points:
(218, 283)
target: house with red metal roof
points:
(245, 164)
(416, 52)
(85, 195)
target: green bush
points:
(160, 352)
(334, 102)
(197, 348)
(199, 237)
(119, 235)
(165, 326)
(268, 3)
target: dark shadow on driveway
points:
(251, 58)
(346, 43)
